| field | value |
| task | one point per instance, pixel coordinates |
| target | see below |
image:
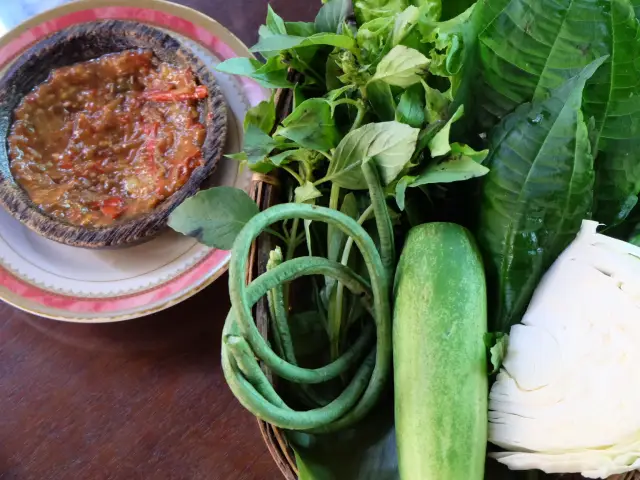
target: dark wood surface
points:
(143, 399)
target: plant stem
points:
(293, 174)
(356, 103)
(276, 234)
(335, 323)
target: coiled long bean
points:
(242, 342)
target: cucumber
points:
(440, 371)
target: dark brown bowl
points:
(78, 44)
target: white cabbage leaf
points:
(567, 399)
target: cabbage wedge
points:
(567, 399)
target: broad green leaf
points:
(257, 144)
(214, 216)
(401, 67)
(331, 16)
(305, 193)
(555, 40)
(536, 195)
(287, 42)
(311, 125)
(411, 107)
(381, 100)
(439, 144)
(262, 116)
(612, 98)
(367, 10)
(456, 168)
(390, 144)
(270, 75)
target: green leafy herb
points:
(272, 74)
(390, 144)
(402, 67)
(439, 144)
(536, 195)
(286, 42)
(311, 125)
(331, 16)
(214, 216)
(262, 116)
(411, 107)
(464, 163)
(306, 192)
(381, 100)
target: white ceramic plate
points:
(73, 284)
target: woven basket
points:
(266, 192)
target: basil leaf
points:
(536, 195)
(381, 100)
(273, 74)
(311, 125)
(439, 144)
(401, 67)
(298, 96)
(287, 42)
(390, 144)
(305, 193)
(300, 29)
(455, 168)
(262, 116)
(275, 24)
(437, 103)
(214, 216)
(257, 144)
(411, 107)
(401, 189)
(331, 16)
(463, 163)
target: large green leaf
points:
(528, 47)
(612, 98)
(537, 193)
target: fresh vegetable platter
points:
(452, 279)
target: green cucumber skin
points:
(440, 371)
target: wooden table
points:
(143, 399)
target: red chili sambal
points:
(107, 139)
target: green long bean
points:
(367, 384)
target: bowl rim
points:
(145, 226)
